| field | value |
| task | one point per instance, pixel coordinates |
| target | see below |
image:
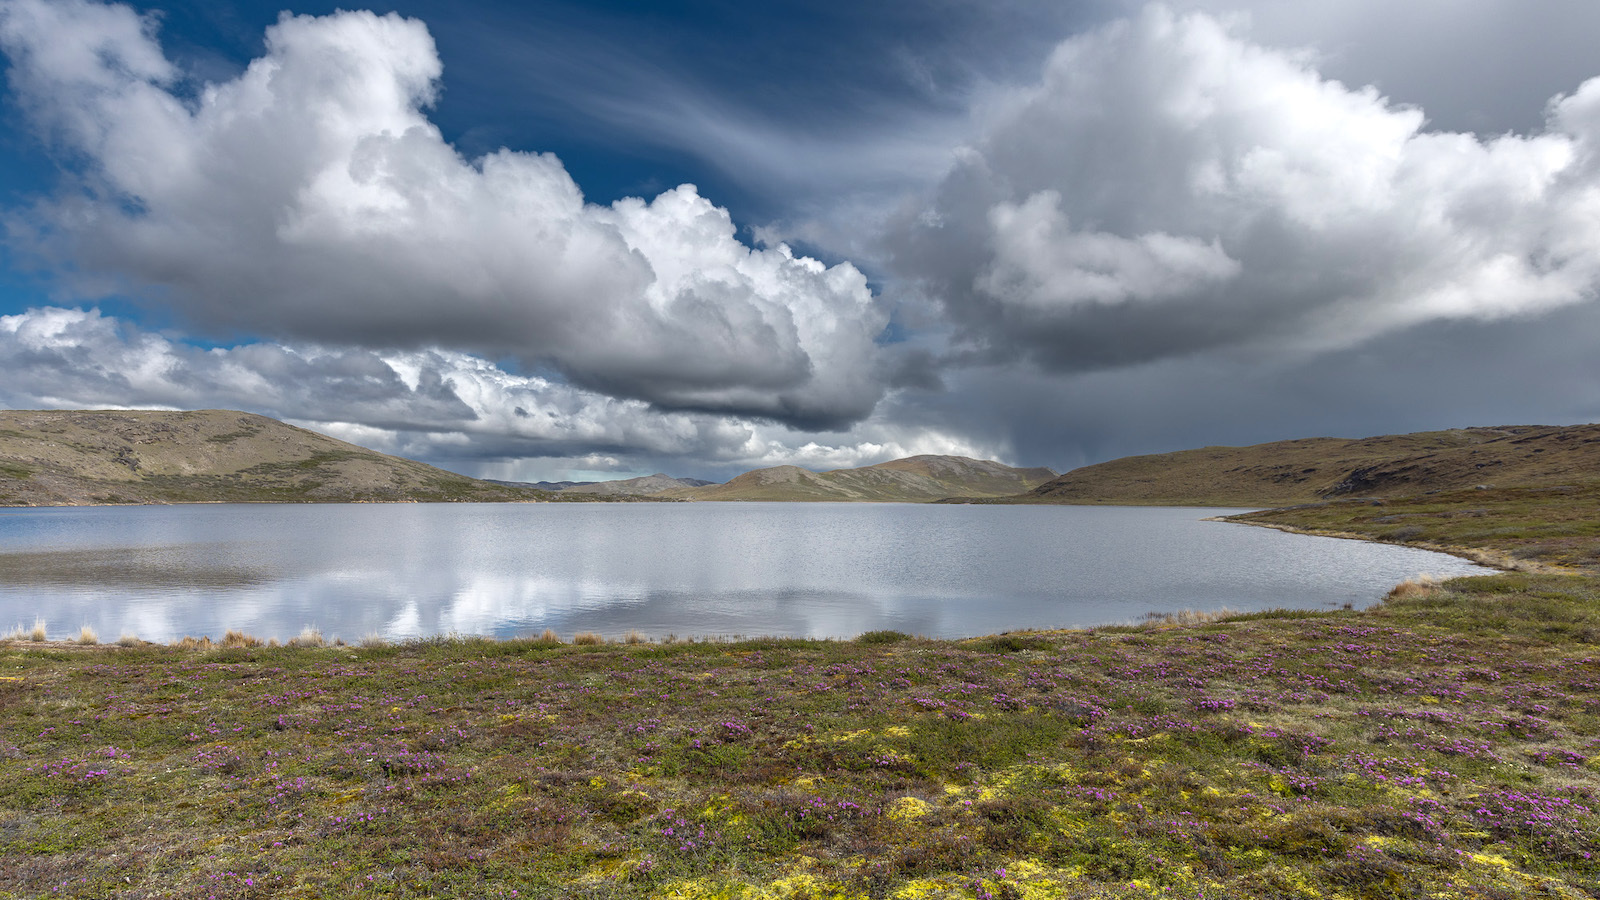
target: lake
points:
(690, 569)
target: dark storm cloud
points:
(1439, 375)
(1168, 188)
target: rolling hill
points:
(913, 479)
(73, 458)
(1285, 473)
(643, 486)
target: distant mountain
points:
(915, 479)
(642, 486)
(70, 458)
(539, 485)
(1283, 473)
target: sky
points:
(591, 240)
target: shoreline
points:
(1490, 558)
(1389, 751)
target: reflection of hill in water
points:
(158, 568)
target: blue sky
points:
(605, 239)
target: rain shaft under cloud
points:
(311, 198)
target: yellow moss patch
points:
(804, 886)
(1010, 781)
(703, 889)
(908, 808)
(927, 889)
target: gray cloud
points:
(1169, 188)
(1437, 375)
(312, 199)
(441, 406)
(1484, 66)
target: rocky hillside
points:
(914, 479)
(70, 458)
(1317, 469)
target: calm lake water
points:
(815, 570)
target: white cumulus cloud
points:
(311, 198)
(442, 406)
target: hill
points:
(913, 479)
(642, 486)
(73, 458)
(1284, 473)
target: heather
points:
(1445, 743)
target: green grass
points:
(1444, 743)
(1549, 526)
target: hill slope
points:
(642, 486)
(915, 478)
(71, 457)
(1317, 469)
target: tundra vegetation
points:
(1443, 743)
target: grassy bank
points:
(1445, 743)
(1540, 528)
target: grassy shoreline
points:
(1553, 528)
(1444, 743)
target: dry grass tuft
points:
(374, 641)
(1420, 586)
(1187, 618)
(236, 639)
(549, 637)
(191, 643)
(309, 637)
(587, 638)
(38, 633)
(87, 637)
(128, 640)
(635, 637)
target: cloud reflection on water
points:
(814, 570)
